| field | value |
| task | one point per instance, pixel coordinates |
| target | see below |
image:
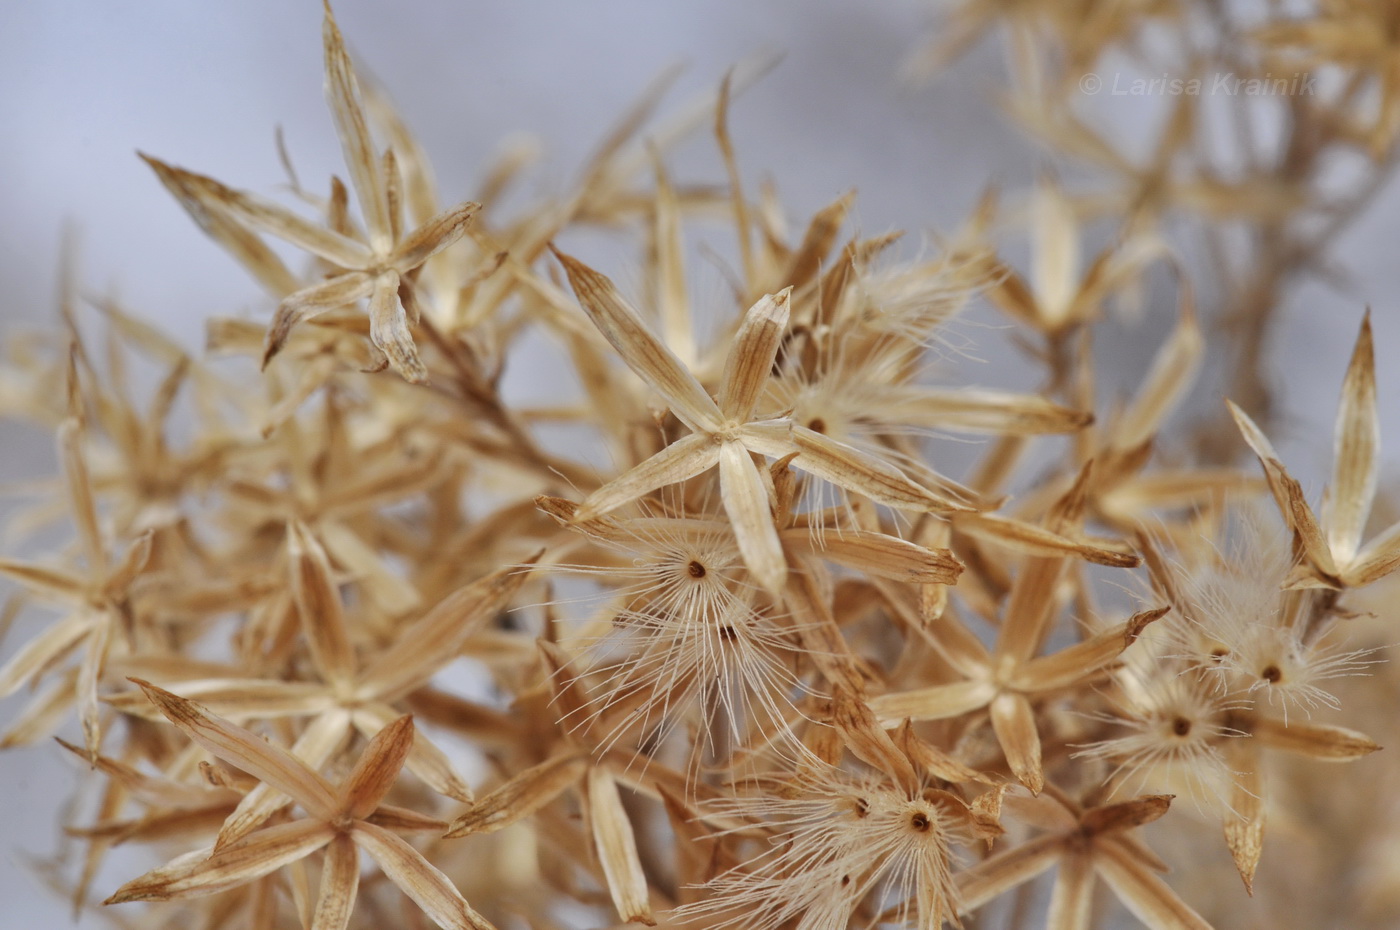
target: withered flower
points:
(1330, 546)
(833, 843)
(727, 434)
(1087, 844)
(716, 635)
(343, 820)
(379, 264)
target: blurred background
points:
(85, 84)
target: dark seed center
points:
(1181, 726)
(695, 569)
(1272, 674)
(920, 822)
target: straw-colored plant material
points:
(368, 645)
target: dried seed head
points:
(1173, 723)
(838, 842)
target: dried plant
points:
(769, 666)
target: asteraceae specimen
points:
(1086, 844)
(1125, 491)
(856, 380)
(726, 433)
(722, 434)
(1330, 548)
(1235, 620)
(1175, 723)
(380, 265)
(1215, 745)
(340, 819)
(836, 841)
(1189, 707)
(536, 787)
(99, 598)
(693, 626)
(354, 694)
(689, 627)
(1011, 678)
(1060, 294)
